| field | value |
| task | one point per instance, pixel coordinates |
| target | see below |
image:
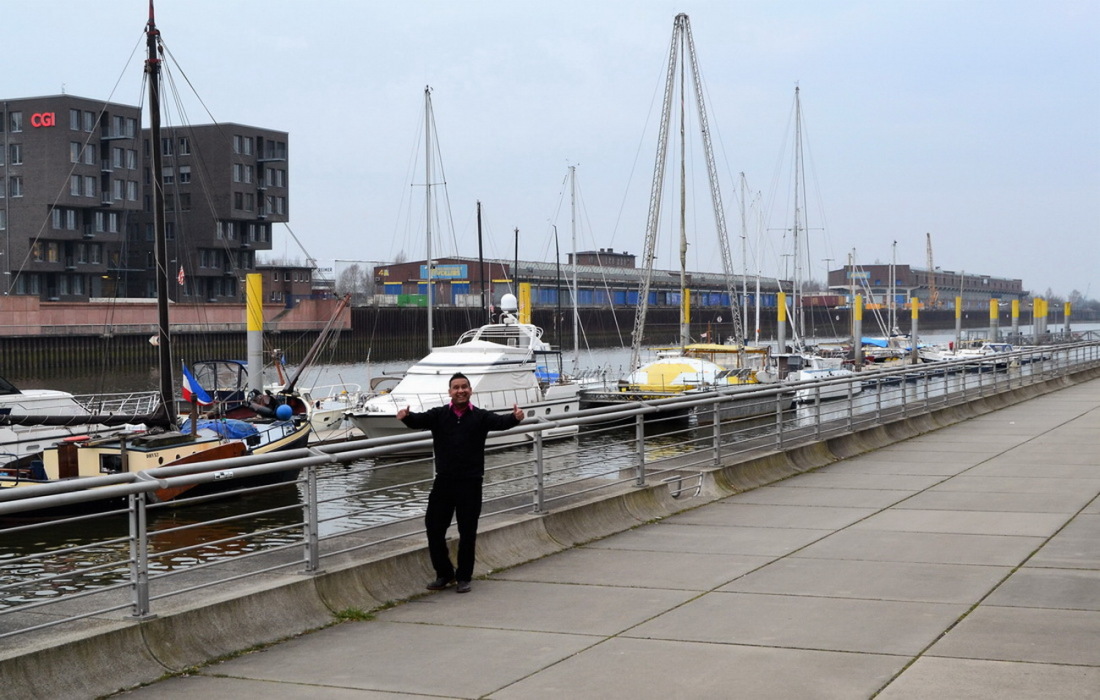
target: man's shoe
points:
(439, 584)
(463, 587)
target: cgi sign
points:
(41, 119)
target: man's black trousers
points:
(460, 498)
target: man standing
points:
(458, 430)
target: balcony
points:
(105, 166)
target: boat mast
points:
(744, 256)
(481, 263)
(685, 299)
(681, 37)
(573, 227)
(428, 200)
(796, 301)
(164, 348)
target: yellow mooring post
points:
(254, 322)
(958, 322)
(857, 331)
(781, 324)
(524, 302)
(914, 304)
(1068, 310)
(994, 320)
(1015, 320)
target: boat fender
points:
(77, 438)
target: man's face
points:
(460, 391)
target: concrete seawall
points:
(101, 655)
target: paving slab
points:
(942, 548)
(755, 541)
(1068, 589)
(784, 495)
(804, 622)
(991, 680)
(734, 513)
(190, 687)
(1041, 635)
(873, 580)
(1020, 484)
(541, 607)
(1076, 546)
(965, 522)
(826, 478)
(396, 657)
(1015, 502)
(626, 568)
(630, 669)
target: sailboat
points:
(263, 424)
(689, 366)
(506, 360)
(806, 365)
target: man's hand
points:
(518, 412)
(402, 413)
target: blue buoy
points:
(284, 412)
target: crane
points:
(933, 293)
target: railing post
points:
(878, 400)
(851, 404)
(717, 435)
(310, 524)
(139, 557)
(779, 420)
(540, 486)
(639, 445)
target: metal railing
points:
(362, 497)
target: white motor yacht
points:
(507, 363)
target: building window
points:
(3, 219)
(116, 157)
(166, 147)
(15, 122)
(131, 190)
(89, 186)
(131, 127)
(15, 186)
(74, 120)
(168, 175)
(185, 174)
(237, 170)
(89, 155)
(249, 201)
(95, 254)
(70, 219)
(185, 146)
(99, 222)
(74, 152)
(89, 121)
(16, 154)
(248, 170)
(247, 143)
(185, 201)
(238, 200)
(236, 143)
(131, 159)
(117, 189)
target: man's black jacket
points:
(459, 443)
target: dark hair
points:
(457, 375)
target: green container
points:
(420, 300)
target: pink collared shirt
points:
(459, 412)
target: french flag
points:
(192, 391)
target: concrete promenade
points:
(962, 563)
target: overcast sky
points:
(975, 121)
